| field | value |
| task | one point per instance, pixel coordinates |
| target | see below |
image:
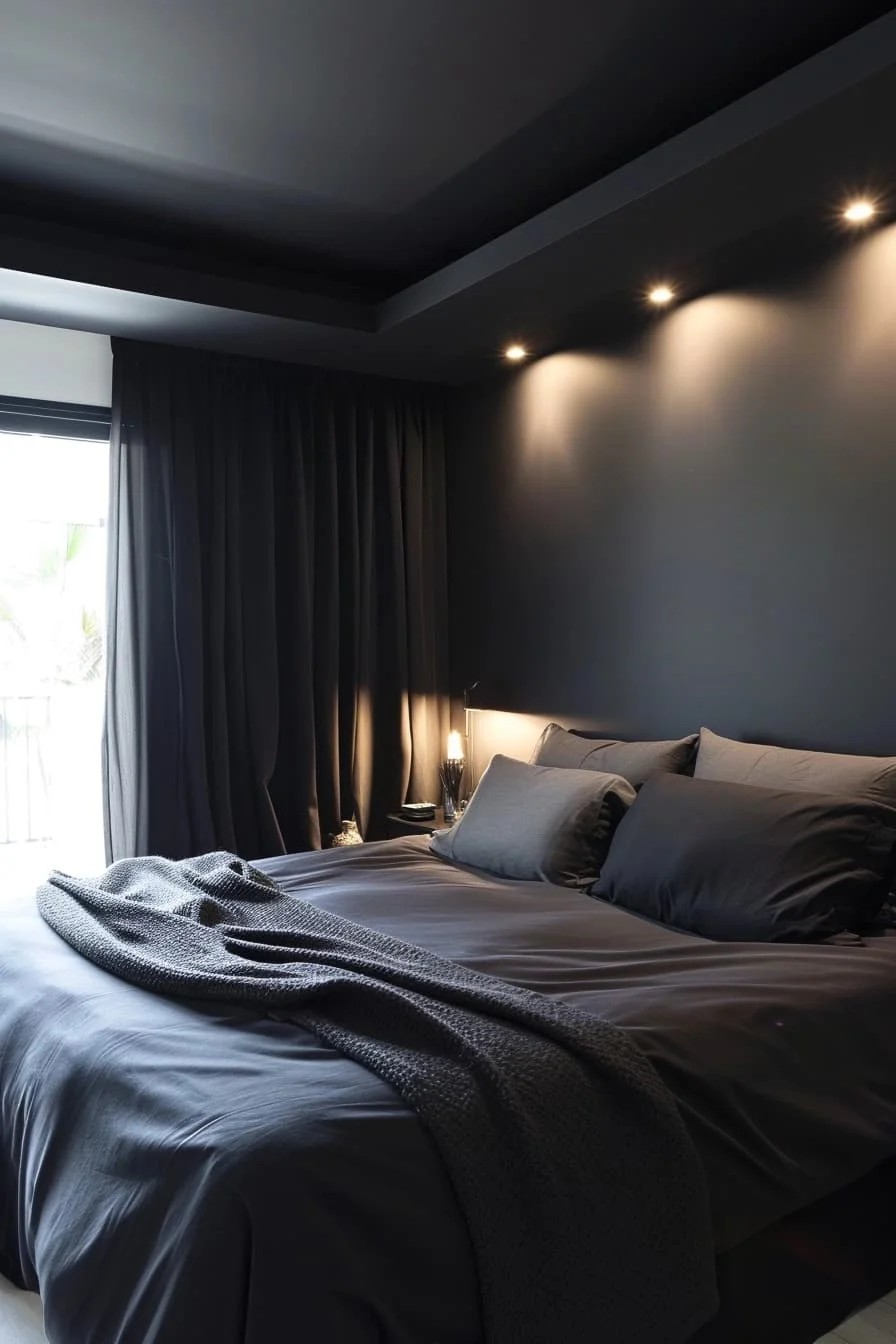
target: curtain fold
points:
(276, 655)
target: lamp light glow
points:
(515, 353)
(660, 295)
(859, 212)
(455, 750)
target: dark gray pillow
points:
(534, 823)
(742, 863)
(721, 758)
(634, 761)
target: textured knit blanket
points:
(582, 1192)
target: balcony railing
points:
(24, 778)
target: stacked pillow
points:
(554, 818)
(762, 844)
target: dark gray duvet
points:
(300, 1186)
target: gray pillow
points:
(534, 823)
(746, 864)
(721, 758)
(634, 761)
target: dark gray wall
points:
(697, 529)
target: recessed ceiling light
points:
(661, 294)
(859, 212)
(515, 353)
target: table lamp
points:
(451, 774)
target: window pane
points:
(53, 496)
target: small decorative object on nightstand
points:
(418, 811)
(349, 835)
(399, 823)
(451, 773)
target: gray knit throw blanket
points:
(583, 1195)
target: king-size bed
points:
(171, 1166)
(612, 1059)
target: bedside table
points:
(397, 825)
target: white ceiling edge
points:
(55, 364)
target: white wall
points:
(54, 364)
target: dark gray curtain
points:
(276, 656)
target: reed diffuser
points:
(451, 774)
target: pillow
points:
(531, 822)
(635, 761)
(872, 777)
(734, 861)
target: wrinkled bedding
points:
(302, 1187)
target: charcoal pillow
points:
(534, 823)
(634, 761)
(743, 863)
(872, 777)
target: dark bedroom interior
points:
(447, 728)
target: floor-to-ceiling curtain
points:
(276, 625)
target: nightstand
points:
(397, 825)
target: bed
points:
(782, 1059)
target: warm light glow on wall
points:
(698, 355)
(856, 212)
(554, 399)
(497, 732)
